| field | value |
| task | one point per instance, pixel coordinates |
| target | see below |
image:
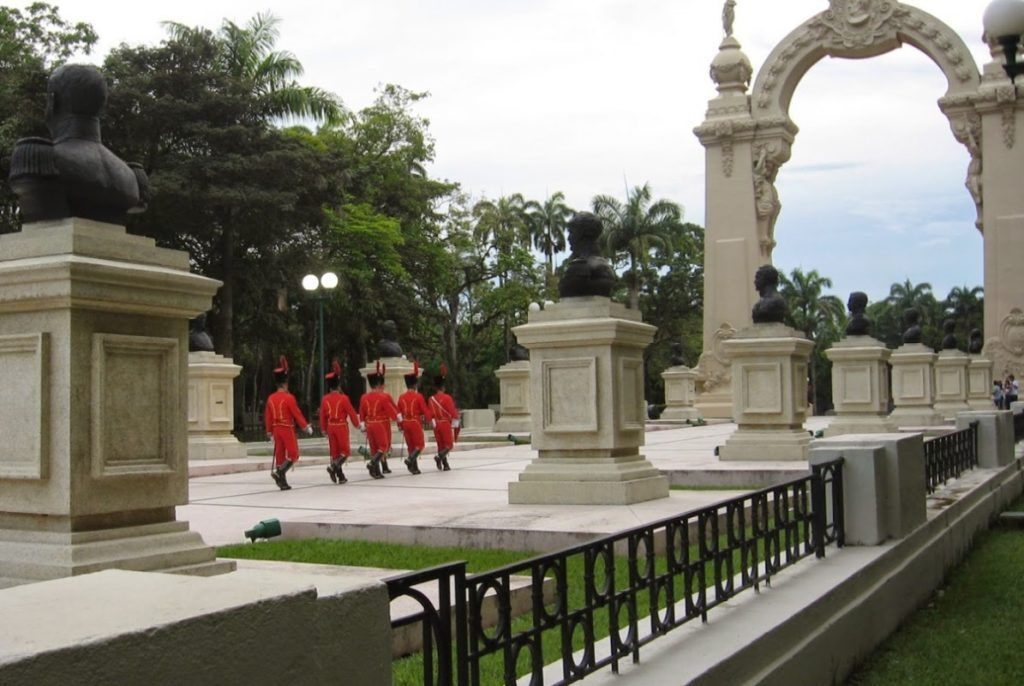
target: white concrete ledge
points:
(820, 618)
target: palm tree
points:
(966, 306)
(547, 226)
(816, 315)
(906, 295)
(266, 75)
(266, 78)
(636, 228)
(502, 223)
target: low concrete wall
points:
(821, 618)
(120, 627)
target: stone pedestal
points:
(211, 407)
(951, 383)
(979, 384)
(769, 390)
(860, 387)
(680, 394)
(477, 421)
(394, 377)
(587, 395)
(913, 393)
(93, 352)
(514, 384)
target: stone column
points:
(769, 390)
(860, 387)
(514, 385)
(680, 394)
(979, 384)
(951, 383)
(93, 352)
(211, 407)
(587, 395)
(912, 391)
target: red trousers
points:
(286, 446)
(378, 435)
(444, 435)
(413, 432)
(338, 441)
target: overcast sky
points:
(587, 96)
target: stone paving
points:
(466, 506)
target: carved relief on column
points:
(768, 157)
(1007, 351)
(967, 130)
(714, 370)
(1006, 96)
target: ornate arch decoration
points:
(857, 29)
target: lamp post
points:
(1004, 22)
(317, 285)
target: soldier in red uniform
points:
(445, 421)
(279, 418)
(376, 411)
(335, 412)
(412, 408)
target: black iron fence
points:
(947, 457)
(671, 571)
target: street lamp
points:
(315, 285)
(1004, 22)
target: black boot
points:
(444, 460)
(437, 461)
(384, 467)
(375, 466)
(282, 482)
(331, 473)
(410, 462)
(340, 474)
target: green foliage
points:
(821, 318)
(980, 606)
(33, 42)
(636, 228)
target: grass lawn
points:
(969, 633)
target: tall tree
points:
(818, 316)
(636, 228)
(33, 42)
(967, 307)
(547, 227)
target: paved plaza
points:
(466, 506)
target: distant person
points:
(279, 417)
(413, 410)
(997, 394)
(376, 412)
(1012, 390)
(336, 412)
(445, 421)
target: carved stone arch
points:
(857, 29)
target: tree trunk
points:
(225, 341)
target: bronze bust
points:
(74, 174)
(771, 308)
(586, 271)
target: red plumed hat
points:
(335, 372)
(281, 371)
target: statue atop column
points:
(949, 329)
(388, 345)
(913, 333)
(587, 272)
(771, 308)
(859, 324)
(975, 342)
(198, 338)
(74, 174)
(728, 16)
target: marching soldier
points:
(376, 411)
(445, 420)
(279, 418)
(335, 412)
(412, 410)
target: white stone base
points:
(756, 445)
(867, 424)
(215, 448)
(477, 421)
(28, 556)
(516, 424)
(588, 481)
(915, 416)
(681, 414)
(715, 405)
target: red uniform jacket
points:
(282, 411)
(335, 408)
(412, 406)
(377, 409)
